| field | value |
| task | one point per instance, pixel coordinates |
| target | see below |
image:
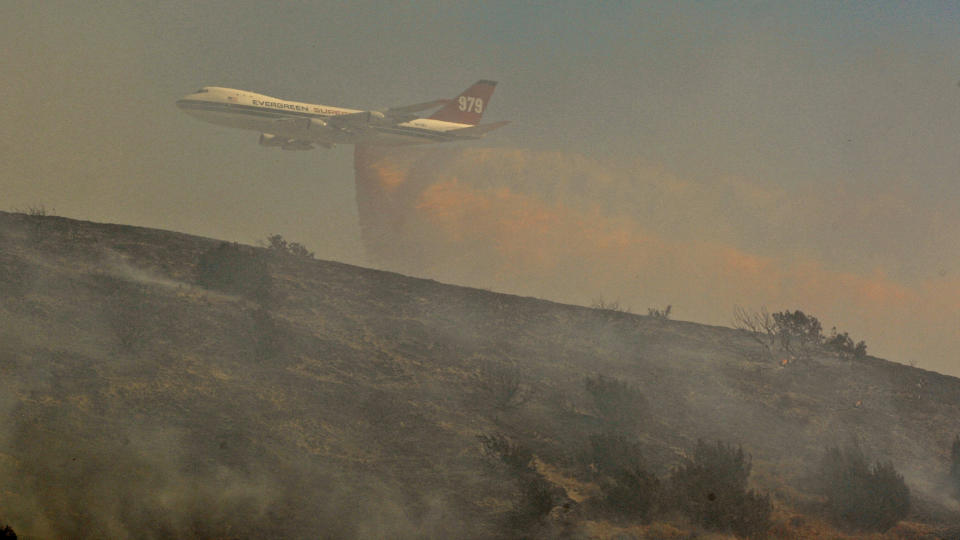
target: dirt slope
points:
(332, 400)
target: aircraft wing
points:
(417, 107)
(359, 120)
(391, 116)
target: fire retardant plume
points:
(566, 227)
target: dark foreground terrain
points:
(160, 385)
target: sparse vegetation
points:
(497, 447)
(710, 487)
(536, 495)
(129, 311)
(799, 334)
(363, 410)
(501, 385)
(267, 333)
(620, 406)
(34, 211)
(794, 333)
(843, 346)
(534, 502)
(759, 325)
(609, 452)
(860, 497)
(277, 244)
(14, 279)
(658, 313)
(613, 306)
(628, 489)
(631, 492)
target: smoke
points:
(572, 229)
(134, 406)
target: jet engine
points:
(268, 139)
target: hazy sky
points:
(810, 134)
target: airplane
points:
(293, 125)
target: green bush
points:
(861, 497)
(277, 244)
(843, 346)
(627, 488)
(711, 489)
(798, 332)
(620, 406)
(631, 492)
(611, 452)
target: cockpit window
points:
(200, 91)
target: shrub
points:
(7, 532)
(536, 495)
(620, 406)
(34, 211)
(798, 332)
(613, 306)
(843, 346)
(711, 489)
(277, 244)
(795, 333)
(627, 489)
(861, 497)
(269, 336)
(631, 492)
(657, 313)
(235, 269)
(499, 447)
(132, 317)
(535, 501)
(131, 310)
(501, 385)
(609, 453)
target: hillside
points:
(149, 390)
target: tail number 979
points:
(471, 104)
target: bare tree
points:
(761, 326)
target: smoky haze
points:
(818, 139)
(568, 227)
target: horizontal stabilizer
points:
(478, 131)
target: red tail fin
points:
(468, 107)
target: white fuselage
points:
(307, 121)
